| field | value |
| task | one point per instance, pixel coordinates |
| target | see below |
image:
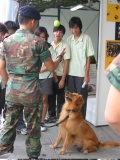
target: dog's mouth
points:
(68, 98)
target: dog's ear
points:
(79, 100)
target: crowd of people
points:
(35, 74)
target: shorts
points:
(47, 86)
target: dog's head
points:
(75, 99)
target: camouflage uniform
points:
(23, 52)
(113, 72)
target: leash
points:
(50, 72)
(46, 78)
(56, 124)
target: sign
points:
(112, 50)
(113, 10)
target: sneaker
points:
(1, 116)
(50, 119)
(34, 158)
(5, 155)
(22, 131)
(43, 128)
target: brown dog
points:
(75, 130)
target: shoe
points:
(50, 119)
(1, 116)
(22, 131)
(43, 128)
(5, 155)
(33, 158)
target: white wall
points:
(106, 32)
(90, 20)
(8, 10)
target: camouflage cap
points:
(29, 11)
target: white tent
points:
(8, 10)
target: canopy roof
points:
(41, 5)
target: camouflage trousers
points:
(8, 133)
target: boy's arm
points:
(3, 72)
(65, 71)
(86, 78)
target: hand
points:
(55, 79)
(62, 52)
(86, 79)
(61, 84)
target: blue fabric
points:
(30, 12)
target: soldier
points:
(22, 54)
(21, 126)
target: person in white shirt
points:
(57, 99)
(46, 78)
(81, 49)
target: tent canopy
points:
(41, 5)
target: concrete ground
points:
(104, 133)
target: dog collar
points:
(72, 110)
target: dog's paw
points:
(52, 146)
(85, 151)
(61, 152)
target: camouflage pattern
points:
(113, 72)
(32, 115)
(24, 53)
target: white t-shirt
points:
(80, 50)
(55, 51)
(45, 74)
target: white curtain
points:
(8, 10)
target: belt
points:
(24, 77)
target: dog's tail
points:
(109, 144)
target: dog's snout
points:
(67, 92)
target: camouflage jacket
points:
(24, 53)
(113, 72)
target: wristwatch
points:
(61, 56)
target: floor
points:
(104, 133)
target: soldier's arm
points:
(55, 63)
(3, 72)
(50, 65)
